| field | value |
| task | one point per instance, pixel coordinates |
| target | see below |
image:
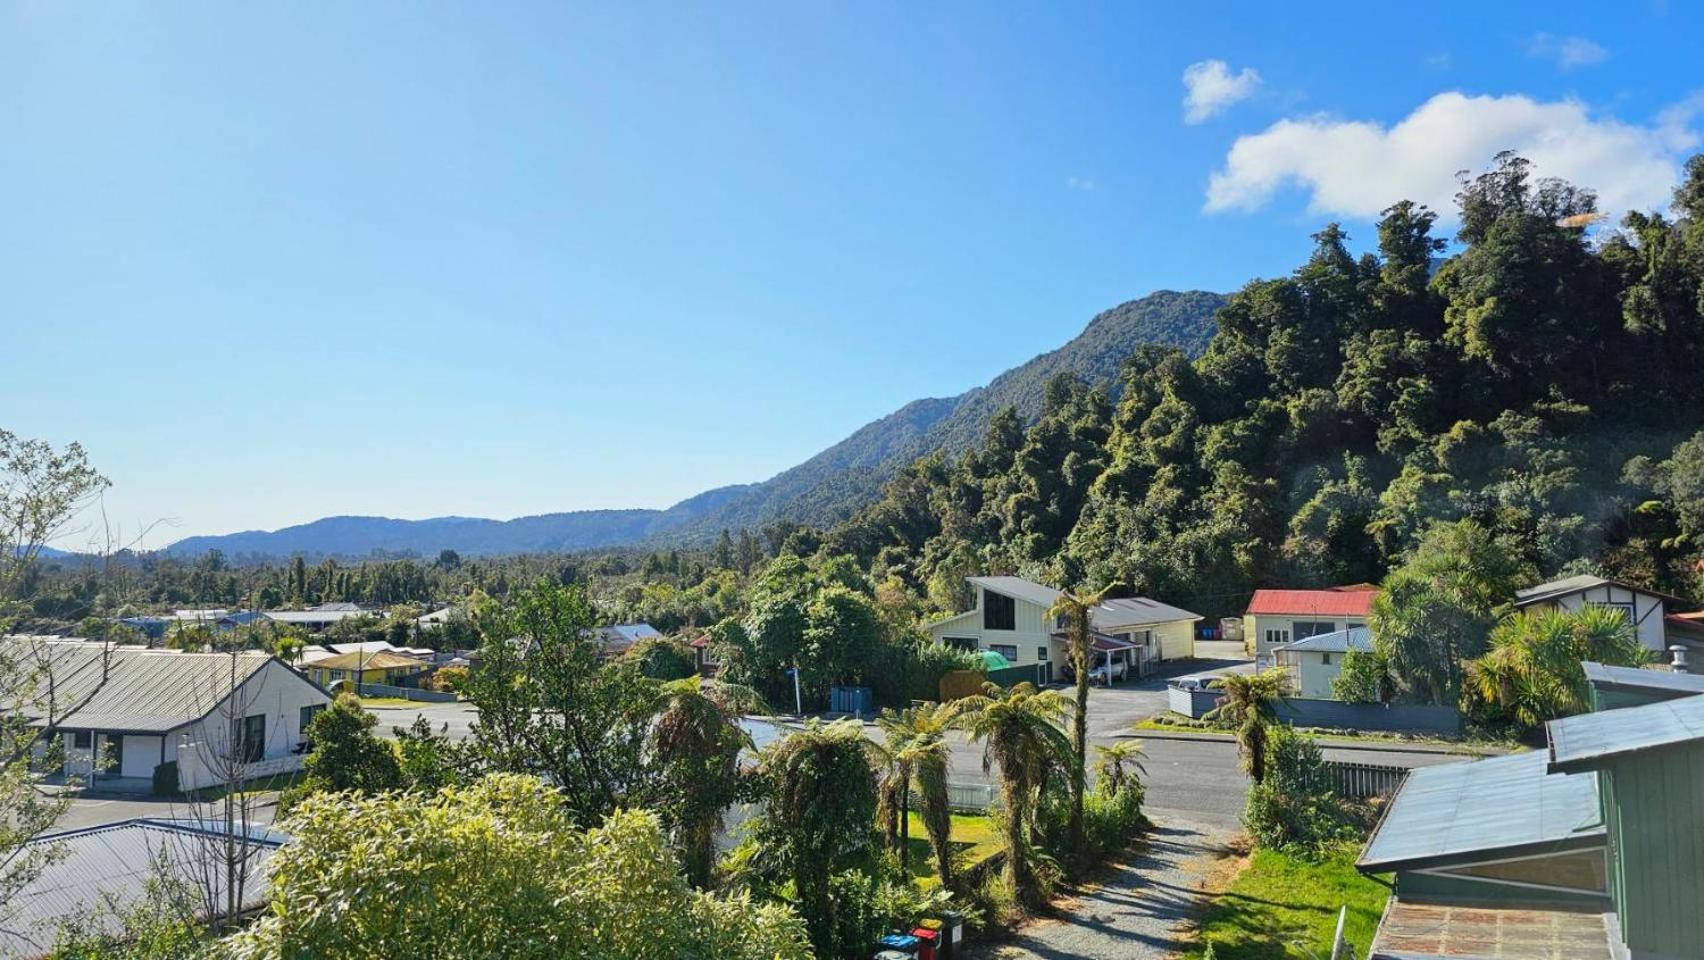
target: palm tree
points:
(1117, 766)
(1078, 635)
(697, 735)
(1020, 731)
(1250, 705)
(1533, 672)
(916, 758)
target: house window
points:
(307, 715)
(248, 738)
(1312, 628)
(1277, 637)
(1007, 650)
(82, 740)
(998, 612)
(1325, 658)
(1041, 653)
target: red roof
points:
(702, 641)
(1353, 601)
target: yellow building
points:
(390, 669)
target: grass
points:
(974, 839)
(1171, 723)
(1282, 907)
(387, 702)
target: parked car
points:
(1098, 674)
(1193, 683)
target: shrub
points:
(664, 658)
(1294, 809)
(449, 679)
(166, 779)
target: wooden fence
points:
(1363, 781)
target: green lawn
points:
(1283, 907)
(1176, 723)
(974, 839)
(387, 702)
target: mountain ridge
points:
(821, 490)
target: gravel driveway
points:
(1142, 909)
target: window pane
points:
(998, 612)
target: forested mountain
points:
(546, 533)
(835, 483)
(1541, 380)
(823, 490)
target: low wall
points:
(406, 693)
(1393, 717)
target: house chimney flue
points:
(1677, 654)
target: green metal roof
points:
(1577, 743)
(1662, 682)
(1458, 813)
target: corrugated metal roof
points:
(97, 687)
(314, 616)
(377, 660)
(1355, 601)
(1137, 612)
(1108, 616)
(1027, 590)
(110, 864)
(1577, 743)
(1339, 641)
(1667, 681)
(1468, 812)
(1583, 581)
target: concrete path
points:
(1143, 908)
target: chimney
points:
(1678, 653)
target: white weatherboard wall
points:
(1030, 637)
(1647, 609)
(275, 692)
(1259, 627)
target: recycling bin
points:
(928, 943)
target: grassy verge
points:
(387, 702)
(974, 839)
(1285, 908)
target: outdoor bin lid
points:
(895, 955)
(926, 935)
(899, 941)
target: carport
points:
(1106, 650)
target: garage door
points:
(139, 756)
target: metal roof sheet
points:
(377, 660)
(1338, 641)
(1577, 743)
(1667, 681)
(1106, 616)
(101, 687)
(1467, 812)
(1355, 601)
(110, 864)
(1583, 581)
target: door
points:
(138, 756)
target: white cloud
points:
(1568, 52)
(1084, 184)
(1212, 88)
(1357, 168)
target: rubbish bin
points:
(899, 945)
(928, 942)
(952, 934)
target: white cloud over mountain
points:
(1211, 88)
(1356, 168)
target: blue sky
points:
(276, 261)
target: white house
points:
(1313, 663)
(1010, 618)
(1646, 610)
(1278, 617)
(136, 708)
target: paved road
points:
(87, 811)
(1201, 779)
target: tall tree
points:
(1075, 610)
(1250, 706)
(1020, 733)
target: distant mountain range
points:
(823, 490)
